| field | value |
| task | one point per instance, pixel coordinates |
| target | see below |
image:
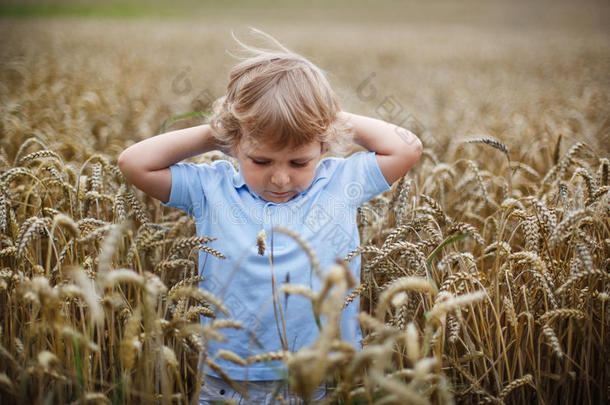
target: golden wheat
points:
(99, 284)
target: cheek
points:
(305, 177)
(254, 176)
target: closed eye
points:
(263, 163)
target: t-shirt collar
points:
(238, 179)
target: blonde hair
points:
(281, 99)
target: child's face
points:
(277, 175)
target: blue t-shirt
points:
(324, 215)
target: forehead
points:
(259, 149)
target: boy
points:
(277, 119)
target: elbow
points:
(418, 148)
(413, 150)
(122, 162)
(125, 162)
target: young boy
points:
(278, 118)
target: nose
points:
(279, 178)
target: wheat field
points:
(485, 270)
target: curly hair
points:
(281, 99)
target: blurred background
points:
(445, 69)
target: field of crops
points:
(486, 269)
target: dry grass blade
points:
(494, 144)
(441, 308)
(400, 285)
(526, 379)
(313, 257)
(30, 230)
(42, 154)
(200, 296)
(186, 243)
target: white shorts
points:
(216, 391)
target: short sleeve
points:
(359, 178)
(187, 191)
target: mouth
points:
(279, 194)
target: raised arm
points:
(397, 149)
(146, 164)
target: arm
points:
(146, 164)
(397, 149)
